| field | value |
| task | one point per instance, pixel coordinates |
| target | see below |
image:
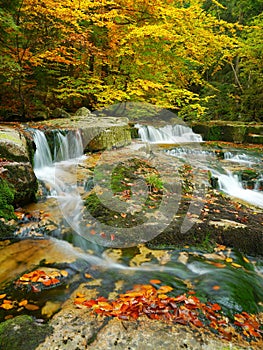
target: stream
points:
(52, 235)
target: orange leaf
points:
(31, 307)
(47, 283)
(23, 303)
(2, 296)
(79, 300)
(216, 307)
(7, 306)
(155, 281)
(55, 281)
(216, 287)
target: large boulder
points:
(15, 164)
(99, 132)
(18, 183)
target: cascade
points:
(227, 181)
(66, 147)
(167, 134)
(240, 158)
(51, 167)
(42, 157)
(231, 185)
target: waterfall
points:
(230, 184)
(48, 165)
(240, 158)
(66, 147)
(42, 157)
(167, 134)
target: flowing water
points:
(211, 275)
(168, 134)
(228, 181)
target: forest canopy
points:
(199, 58)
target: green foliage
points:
(155, 182)
(6, 200)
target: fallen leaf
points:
(236, 265)
(23, 303)
(155, 281)
(31, 307)
(216, 287)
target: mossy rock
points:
(22, 333)
(6, 200)
(13, 145)
(6, 230)
(21, 177)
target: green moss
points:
(6, 231)
(22, 333)
(6, 200)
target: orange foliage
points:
(183, 309)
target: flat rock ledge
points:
(99, 132)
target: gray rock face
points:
(13, 145)
(15, 166)
(98, 132)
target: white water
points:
(231, 185)
(227, 181)
(240, 158)
(167, 134)
(53, 169)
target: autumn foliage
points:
(96, 53)
(183, 309)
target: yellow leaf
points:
(162, 296)
(246, 260)
(236, 265)
(64, 273)
(23, 303)
(164, 289)
(2, 296)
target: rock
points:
(98, 132)
(22, 178)
(22, 333)
(13, 145)
(18, 183)
(60, 113)
(229, 131)
(77, 328)
(83, 111)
